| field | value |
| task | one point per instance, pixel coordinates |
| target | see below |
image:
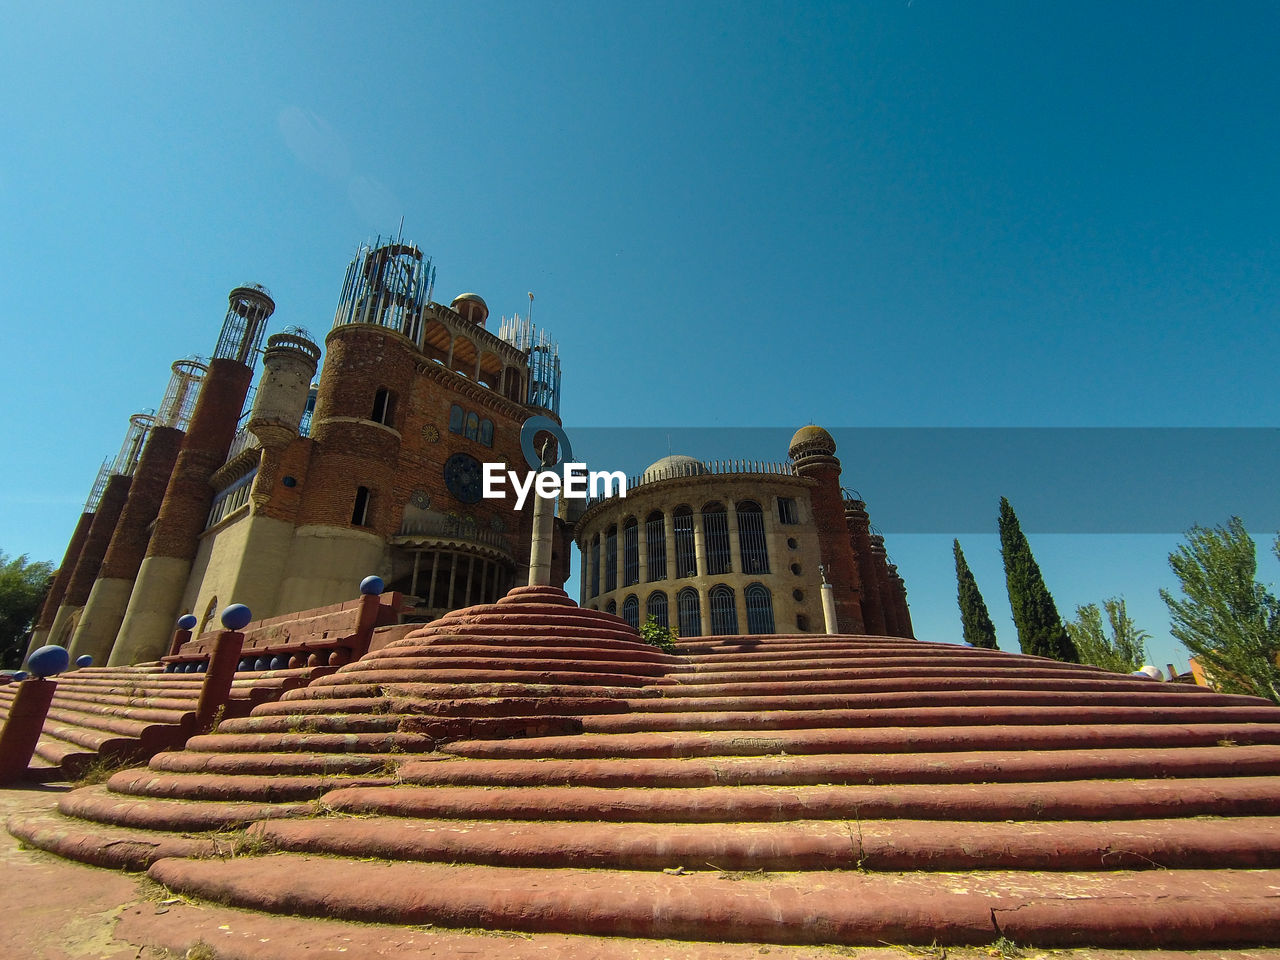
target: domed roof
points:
(471, 306)
(811, 437)
(676, 465)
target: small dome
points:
(472, 307)
(673, 466)
(812, 439)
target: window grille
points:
(715, 526)
(631, 610)
(595, 565)
(724, 615)
(787, 512)
(759, 609)
(630, 552)
(486, 432)
(611, 560)
(611, 607)
(686, 558)
(689, 611)
(656, 607)
(751, 539)
(655, 535)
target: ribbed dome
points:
(676, 465)
(812, 439)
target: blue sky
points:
(892, 214)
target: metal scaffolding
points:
(387, 284)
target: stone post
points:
(23, 726)
(227, 646)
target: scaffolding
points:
(543, 357)
(388, 285)
(249, 308)
(135, 438)
(99, 484)
(180, 396)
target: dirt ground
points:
(58, 910)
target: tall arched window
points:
(384, 406)
(456, 416)
(631, 610)
(486, 432)
(759, 608)
(715, 527)
(611, 559)
(656, 607)
(473, 427)
(630, 552)
(611, 607)
(690, 612)
(686, 559)
(751, 541)
(724, 615)
(655, 541)
(595, 565)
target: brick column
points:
(95, 548)
(58, 589)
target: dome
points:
(673, 466)
(472, 307)
(812, 439)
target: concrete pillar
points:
(642, 553)
(735, 545)
(540, 548)
(704, 611)
(699, 544)
(89, 564)
(740, 609)
(829, 608)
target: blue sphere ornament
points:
(279, 663)
(372, 586)
(245, 664)
(20, 675)
(49, 660)
(236, 617)
(202, 666)
(187, 621)
(84, 660)
(262, 663)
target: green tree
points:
(979, 631)
(23, 585)
(1040, 629)
(1226, 619)
(1123, 651)
(664, 638)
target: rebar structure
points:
(242, 330)
(181, 394)
(543, 356)
(387, 284)
(135, 439)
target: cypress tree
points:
(979, 631)
(1040, 629)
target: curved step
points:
(1061, 800)
(257, 788)
(102, 845)
(1180, 908)
(101, 805)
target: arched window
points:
(751, 542)
(715, 526)
(456, 416)
(686, 559)
(656, 607)
(690, 612)
(724, 615)
(655, 541)
(595, 565)
(611, 607)
(473, 427)
(630, 552)
(209, 612)
(631, 610)
(611, 559)
(759, 609)
(486, 432)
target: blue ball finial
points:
(49, 660)
(84, 660)
(19, 675)
(372, 586)
(187, 621)
(236, 617)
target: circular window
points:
(798, 594)
(420, 499)
(791, 543)
(795, 568)
(498, 524)
(430, 433)
(289, 481)
(462, 477)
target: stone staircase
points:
(115, 715)
(531, 766)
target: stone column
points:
(735, 546)
(669, 542)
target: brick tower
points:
(104, 611)
(162, 577)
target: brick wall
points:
(150, 480)
(96, 543)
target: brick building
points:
(284, 497)
(741, 547)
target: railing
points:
(783, 468)
(243, 440)
(456, 528)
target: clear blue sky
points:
(892, 214)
